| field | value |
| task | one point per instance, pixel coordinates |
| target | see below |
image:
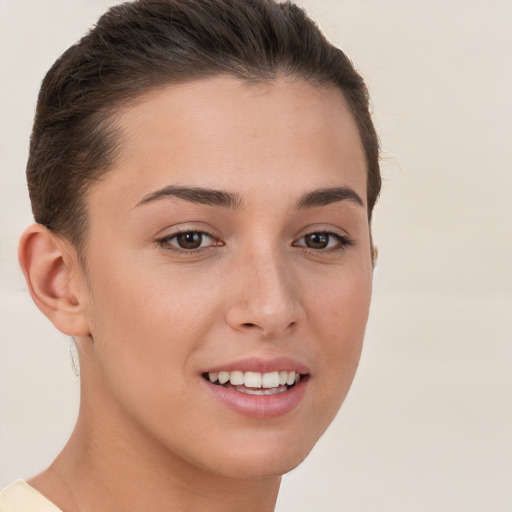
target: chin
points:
(262, 467)
(260, 456)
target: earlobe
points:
(49, 266)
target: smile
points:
(255, 383)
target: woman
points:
(202, 176)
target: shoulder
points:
(21, 497)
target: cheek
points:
(131, 296)
(146, 324)
(340, 322)
(340, 304)
(143, 341)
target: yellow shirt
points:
(21, 497)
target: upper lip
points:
(261, 365)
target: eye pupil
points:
(317, 240)
(191, 240)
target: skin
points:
(148, 319)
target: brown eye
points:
(320, 240)
(317, 240)
(190, 240)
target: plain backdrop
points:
(427, 425)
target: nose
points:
(265, 296)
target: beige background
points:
(427, 425)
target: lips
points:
(259, 388)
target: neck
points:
(104, 468)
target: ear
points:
(375, 255)
(55, 279)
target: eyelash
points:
(343, 242)
(165, 242)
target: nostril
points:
(247, 324)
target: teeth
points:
(223, 377)
(291, 378)
(268, 381)
(236, 378)
(256, 391)
(252, 380)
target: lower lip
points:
(259, 406)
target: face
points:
(229, 273)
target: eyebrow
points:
(199, 195)
(325, 196)
(212, 197)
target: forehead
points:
(225, 133)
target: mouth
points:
(256, 383)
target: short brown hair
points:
(140, 45)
